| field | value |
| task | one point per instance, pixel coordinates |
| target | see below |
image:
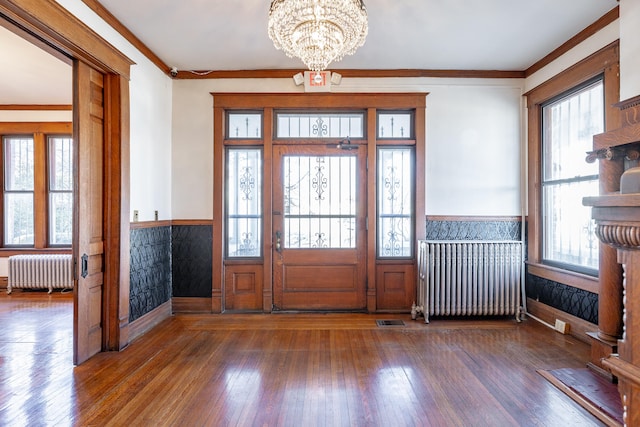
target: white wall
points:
(150, 125)
(473, 150)
(629, 49)
(473, 141)
(35, 116)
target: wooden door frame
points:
(268, 102)
(341, 258)
(53, 28)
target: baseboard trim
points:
(191, 305)
(578, 328)
(144, 324)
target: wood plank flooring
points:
(285, 370)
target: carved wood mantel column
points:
(618, 226)
(617, 150)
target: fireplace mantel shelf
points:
(613, 199)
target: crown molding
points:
(108, 17)
(574, 41)
(353, 73)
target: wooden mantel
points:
(618, 225)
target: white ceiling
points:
(403, 34)
(416, 34)
(29, 75)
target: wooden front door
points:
(88, 246)
(319, 226)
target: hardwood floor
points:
(285, 369)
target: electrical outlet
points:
(562, 327)
(135, 216)
(155, 215)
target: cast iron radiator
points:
(41, 271)
(468, 278)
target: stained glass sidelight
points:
(395, 202)
(244, 202)
(319, 201)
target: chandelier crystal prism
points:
(318, 31)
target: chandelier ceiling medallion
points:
(318, 31)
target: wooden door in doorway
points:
(319, 224)
(88, 247)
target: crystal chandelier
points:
(318, 31)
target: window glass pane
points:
(320, 125)
(244, 202)
(18, 220)
(19, 164)
(319, 202)
(569, 126)
(395, 125)
(244, 125)
(60, 164)
(60, 218)
(60, 190)
(395, 202)
(569, 232)
(18, 196)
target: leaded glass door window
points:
(319, 201)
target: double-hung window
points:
(37, 189)
(568, 125)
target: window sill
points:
(571, 278)
(7, 252)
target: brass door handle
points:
(278, 242)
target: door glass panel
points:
(244, 202)
(395, 203)
(319, 202)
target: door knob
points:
(278, 241)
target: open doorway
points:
(100, 248)
(37, 199)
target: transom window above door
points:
(320, 125)
(395, 125)
(244, 125)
